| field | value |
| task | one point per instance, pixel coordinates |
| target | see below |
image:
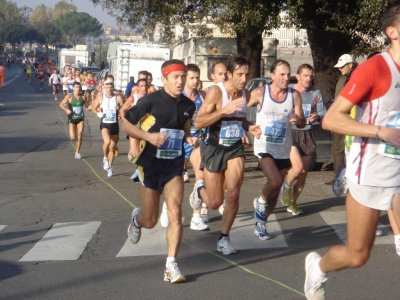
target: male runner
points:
(29, 72)
(2, 74)
(373, 169)
(72, 104)
(278, 106)
(164, 118)
(223, 113)
(151, 87)
(69, 83)
(302, 138)
(55, 82)
(108, 104)
(90, 86)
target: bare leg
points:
(111, 149)
(80, 126)
(105, 133)
(301, 178)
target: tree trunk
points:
(326, 50)
(250, 46)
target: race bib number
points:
(77, 112)
(386, 149)
(172, 148)
(110, 116)
(90, 87)
(231, 132)
(41, 73)
(275, 131)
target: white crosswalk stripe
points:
(2, 227)
(64, 241)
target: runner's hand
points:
(245, 139)
(255, 130)
(312, 118)
(192, 141)
(157, 139)
(68, 112)
(234, 105)
(294, 119)
(390, 135)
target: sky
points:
(82, 5)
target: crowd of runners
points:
(180, 123)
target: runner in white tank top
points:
(373, 169)
(279, 107)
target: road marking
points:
(8, 82)
(243, 237)
(2, 227)
(64, 241)
(337, 220)
(152, 242)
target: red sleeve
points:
(369, 81)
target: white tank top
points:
(109, 107)
(274, 120)
(135, 99)
(371, 161)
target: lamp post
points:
(185, 33)
(100, 42)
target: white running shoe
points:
(198, 224)
(172, 273)
(314, 285)
(77, 155)
(134, 232)
(222, 207)
(164, 216)
(55, 99)
(106, 165)
(204, 213)
(110, 172)
(186, 177)
(194, 198)
(224, 246)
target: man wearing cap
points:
(164, 118)
(346, 65)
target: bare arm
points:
(255, 97)
(96, 103)
(298, 118)
(64, 104)
(127, 105)
(155, 138)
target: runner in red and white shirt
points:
(90, 87)
(41, 74)
(373, 168)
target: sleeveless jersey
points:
(40, 73)
(55, 78)
(373, 162)
(70, 86)
(76, 107)
(274, 120)
(227, 132)
(109, 107)
(198, 102)
(90, 83)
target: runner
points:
(64, 83)
(159, 166)
(2, 74)
(28, 72)
(72, 104)
(109, 105)
(151, 87)
(222, 154)
(41, 73)
(278, 106)
(90, 86)
(70, 83)
(373, 169)
(191, 152)
(55, 82)
(303, 139)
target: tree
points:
(9, 12)
(13, 32)
(41, 15)
(62, 8)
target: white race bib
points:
(275, 131)
(231, 132)
(110, 116)
(386, 149)
(172, 148)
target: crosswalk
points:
(67, 241)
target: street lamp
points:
(100, 42)
(185, 33)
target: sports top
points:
(198, 102)
(109, 107)
(76, 107)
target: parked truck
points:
(205, 52)
(127, 59)
(77, 57)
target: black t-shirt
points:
(155, 111)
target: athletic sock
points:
(287, 186)
(317, 270)
(261, 201)
(185, 170)
(222, 235)
(397, 240)
(169, 260)
(196, 216)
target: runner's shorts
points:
(56, 85)
(112, 127)
(304, 140)
(375, 197)
(155, 180)
(281, 164)
(214, 159)
(88, 91)
(75, 122)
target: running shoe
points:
(204, 213)
(262, 232)
(314, 285)
(378, 232)
(186, 177)
(194, 198)
(77, 155)
(55, 98)
(198, 224)
(398, 249)
(110, 172)
(286, 195)
(172, 273)
(224, 246)
(260, 213)
(116, 152)
(339, 184)
(134, 232)
(164, 216)
(54, 93)
(294, 209)
(106, 165)
(130, 157)
(222, 208)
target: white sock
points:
(105, 158)
(261, 201)
(196, 216)
(397, 240)
(170, 259)
(287, 186)
(317, 269)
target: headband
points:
(171, 68)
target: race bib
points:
(110, 116)
(231, 132)
(84, 87)
(172, 148)
(77, 112)
(41, 73)
(275, 131)
(386, 149)
(90, 87)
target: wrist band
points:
(377, 132)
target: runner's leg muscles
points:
(214, 191)
(80, 126)
(301, 179)
(149, 201)
(105, 133)
(297, 165)
(111, 149)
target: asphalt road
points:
(43, 188)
